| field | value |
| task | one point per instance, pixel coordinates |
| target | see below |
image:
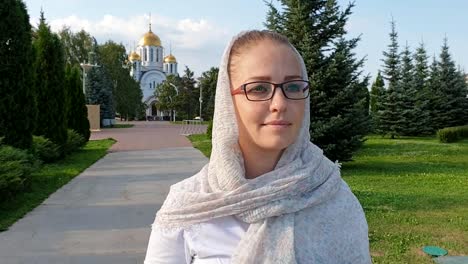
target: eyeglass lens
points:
(264, 90)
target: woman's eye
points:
(258, 89)
(293, 88)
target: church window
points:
(151, 54)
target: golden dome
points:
(134, 56)
(150, 39)
(170, 59)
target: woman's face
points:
(276, 63)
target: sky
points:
(197, 31)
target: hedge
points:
(16, 166)
(452, 134)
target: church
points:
(150, 66)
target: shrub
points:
(452, 134)
(16, 166)
(45, 150)
(209, 129)
(74, 141)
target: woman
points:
(268, 195)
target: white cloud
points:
(198, 42)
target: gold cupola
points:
(134, 57)
(150, 39)
(170, 59)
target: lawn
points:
(201, 142)
(414, 192)
(51, 177)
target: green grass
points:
(414, 192)
(49, 178)
(119, 126)
(201, 142)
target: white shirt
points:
(211, 242)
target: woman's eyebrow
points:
(268, 78)
(292, 77)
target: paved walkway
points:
(104, 214)
(144, 135)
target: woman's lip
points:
(278, 123)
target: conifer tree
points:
(391, 67)
(407, 94)
(377, 97)
(453, 91)
(390, 121)
(49, 82)
(207, 83)
(99, 92)
(77, 114)
(422, 122)
(377, 91)
(274, 20)
(436, 97)
(316, 29)
(17, 94)
(186, 102)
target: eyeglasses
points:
(264, 91)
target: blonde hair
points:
(251, 38)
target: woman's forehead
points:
(268, 63)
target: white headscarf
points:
(301, 212)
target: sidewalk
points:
(104, 214)
(144, 135)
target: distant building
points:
(150, 67)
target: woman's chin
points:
(274, 143)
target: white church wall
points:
(149, 81)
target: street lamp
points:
(201, 101)
(177, 93)
(86, 66)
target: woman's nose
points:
(278, 101)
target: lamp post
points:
(86, 66)
(177, 93)
(201, 101)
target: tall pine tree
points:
(17, 94)
(436, 97)
(186, 102)
(274, 20)
(453, 91)
(407, 95)
(377, 97)
(99, 88)
(316, 29)
(77, 113)
(207, 83)
(391, 67)
(390, 121)
(422, 123)
(49, 82)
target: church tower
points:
(170, 65)
(149, 67)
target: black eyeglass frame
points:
(242, 88)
